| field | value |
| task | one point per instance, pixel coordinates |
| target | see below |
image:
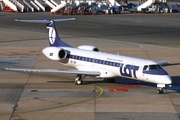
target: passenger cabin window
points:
(152, 67)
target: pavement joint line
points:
(174, 106)
(24, 30)
(101, 91)
(146, 54)
(138, 44)
(16, 104)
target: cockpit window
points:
(152, 67)
(146, 67)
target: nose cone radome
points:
(162, 79)
(168, 80)
(44, 51)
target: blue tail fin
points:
(54, 39)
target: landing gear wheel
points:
(78, 82)
(160, 91)
(79, 79)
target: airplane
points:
(89, 61)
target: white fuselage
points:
(111, 65)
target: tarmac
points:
(26, 96)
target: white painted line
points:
(93, 38)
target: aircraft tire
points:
(78, 82)
(160, 91)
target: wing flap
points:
(91, 73)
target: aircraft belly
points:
(107, 71)
(81, 65)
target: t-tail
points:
(53, 36)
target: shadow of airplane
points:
(8, 63)
(124, 81)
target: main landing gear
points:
(79, 79)
(160, 91)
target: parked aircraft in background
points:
(89, 61)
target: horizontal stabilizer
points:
(90, 73)
(45, 20)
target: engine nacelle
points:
(88, 47)
(55, 53)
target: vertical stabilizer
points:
(53, 36)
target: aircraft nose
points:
(168, 80)
(44, 51)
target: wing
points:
(90, 73)
(163, 62)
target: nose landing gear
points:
(160, 88)
(160, 91)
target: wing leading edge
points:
(90, 73)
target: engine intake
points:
(55, 53)
(62, 54)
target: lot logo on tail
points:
(52, 35)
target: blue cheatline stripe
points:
(93, 60)
(116, 64)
